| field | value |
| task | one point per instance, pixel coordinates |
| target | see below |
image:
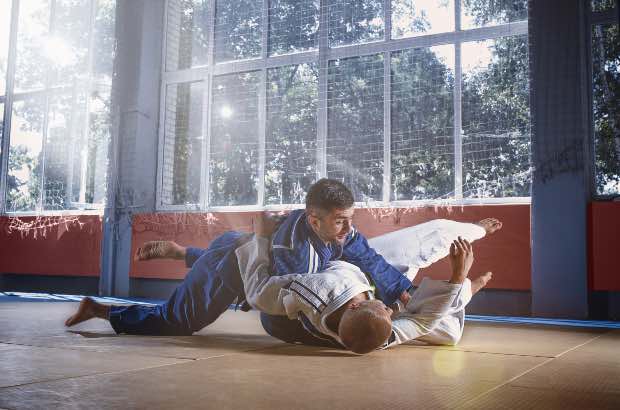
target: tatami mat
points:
(234, 364)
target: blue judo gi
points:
(214, 282)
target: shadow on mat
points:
(92, 335)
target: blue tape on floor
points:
(54, 297)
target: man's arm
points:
(262, 290)
(390, 282)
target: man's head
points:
(365, 326)
(329, 206)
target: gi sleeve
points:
(429, 305)
(262, 290)
(390, 282)
(192, 255)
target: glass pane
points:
(66, 49)
(496, 120)
(292, 96)
(5, 27)
(355, 21)
(477, 13)
(237, 29)
(602, 5)
(422, 142)
(606, 107)
(183, 140)
(25, 156)
(186, 34)
(1, 128)
(104, 41)
(234, 140)
(94, 155)
(355, 124)
(293, 25)
(419, 17)
(32, 45)
(64, 143)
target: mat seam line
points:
(528, 371)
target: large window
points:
(606, 97)
(403, 100)
(56, 69)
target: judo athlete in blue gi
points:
(304, 242)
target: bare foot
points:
(480, 282)
(159, 250)
(87, 310)
(490, 225)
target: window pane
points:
(476, 13)
(104, 42)
(419, 17)
(237, 29)
(5, 26)
(66, 48)
(355, 124)
(422, 142)
(93, 173)
(292, 94)
(357, 21)
(183, 140)
(64, 142)
(606, 107)
(234, 140)
(496, 124)
(32, 45)
(24, 177)
(186, 34)
(293, 25)
(602, 5)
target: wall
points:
(61, 246)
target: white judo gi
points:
(435, 314)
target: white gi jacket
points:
(434, 305)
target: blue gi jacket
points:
(297, 249)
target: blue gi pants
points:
(209, 288)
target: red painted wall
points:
(604, 246)
(73, 247)
(51, 245)
(505, 253)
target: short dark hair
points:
(328, 194)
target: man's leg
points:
(424, 244)
(450, 329)
(291, 331)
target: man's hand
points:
(405, 297)
(461, 259)
(265, 224)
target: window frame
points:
(322, 56)
(596, 18)
(47, 91)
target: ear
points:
(314, 222)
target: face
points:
(333, 226)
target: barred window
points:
(402, 100)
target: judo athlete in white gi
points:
(338, 303)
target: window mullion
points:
(387, 105)
(262, 105)
(205, 175)
(458, 78)
(8, 105)
(322, 91)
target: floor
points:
(234, 365)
